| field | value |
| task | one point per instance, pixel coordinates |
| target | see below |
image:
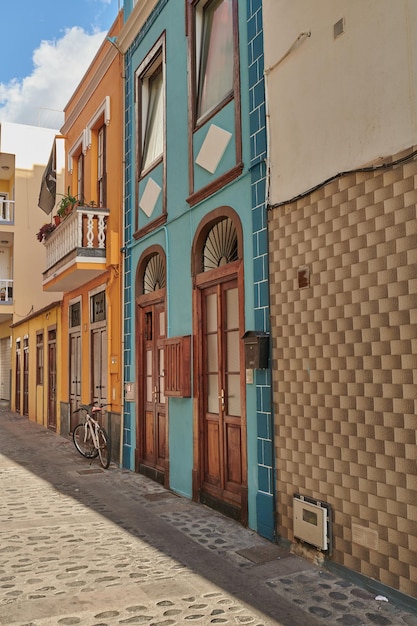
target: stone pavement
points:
(81, 545)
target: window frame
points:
(74, 307)
(155, 59)
(153, 92)
(96, 297)
(80, 175)
(89, 138)
(203, 9)
(206, 225)
(194, 124)
(101, 165)
(78, 147)
(195, 31)
(152, 64)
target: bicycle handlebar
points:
(90, 407)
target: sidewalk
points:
(81, 545)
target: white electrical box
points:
(311, 522)
(129, 392)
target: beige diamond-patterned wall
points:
(345, 366)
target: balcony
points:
(6, 299)
(6, 211)
(76, 250)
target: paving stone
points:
(79, 545)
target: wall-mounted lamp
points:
(113, 41)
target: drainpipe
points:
(167, 264)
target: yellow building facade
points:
(36, 354)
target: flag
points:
(47, 195)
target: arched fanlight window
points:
(154, 274)
(220, 246)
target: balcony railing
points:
(6, 291)
(6, 210)
(84, 231)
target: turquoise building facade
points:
(197, 410)
(265, 504)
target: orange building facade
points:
(83, 252)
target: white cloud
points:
(59, 65)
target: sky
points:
(45, 48)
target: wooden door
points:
(222, 455)
(26, 376)
(74, 377)
(99, 365)
(5, 366)
(52, 379)
(18, 376)
(152, 426)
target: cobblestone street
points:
(80, 545)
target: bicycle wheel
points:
(83, 441)
(104, 449)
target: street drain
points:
(263, 554)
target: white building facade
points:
(341, 92)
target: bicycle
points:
(91, 439)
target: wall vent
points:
(312, 521)
(339, 28)
(303, 274)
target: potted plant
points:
(44, 231)
(82, 202)
(66, 205)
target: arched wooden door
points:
(151, 456)
(221, 465)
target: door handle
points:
(221, 397)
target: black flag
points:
(47, 193)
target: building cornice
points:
(134, 23)
(88, 87)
